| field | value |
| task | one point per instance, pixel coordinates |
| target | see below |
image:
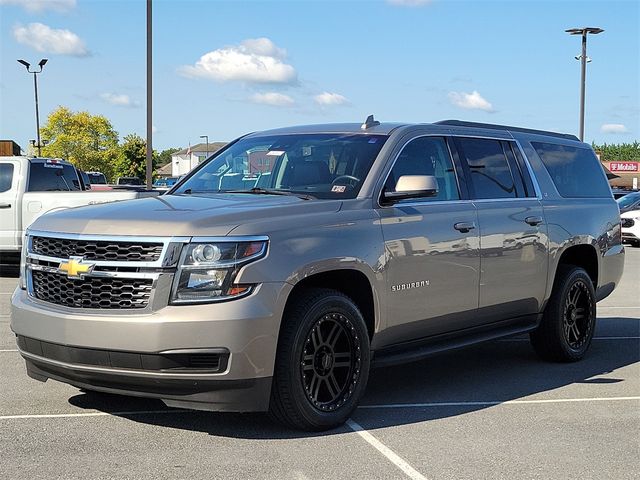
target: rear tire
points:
(568, 322)
(322, 363)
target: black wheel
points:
(322, 364)
(568, 323)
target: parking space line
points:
(501, 402)
(600, 307)
(9, 350)
(386, 451)
(594, 338)
(94, 414)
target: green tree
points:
(164, 156)
(132, 161)
(623, 152)
(88, 141)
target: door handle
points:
(5, 205)
(464, 227)
(533, 221)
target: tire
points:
(568, 322)
(322, 362)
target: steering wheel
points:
(344, 177)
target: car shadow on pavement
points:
(498, 371)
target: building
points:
(186, 159)
(9, 148)
(165, 171)
(628, 174)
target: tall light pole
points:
(583, 67)
(35, 86)
(149, 156)
(207, 137)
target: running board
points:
(419, 349)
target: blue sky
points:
(224, 68)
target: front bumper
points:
(246, 328)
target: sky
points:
(226, 68)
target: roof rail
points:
(460, 123)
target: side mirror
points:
(413, 186)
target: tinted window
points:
(531, 192)
(490, 173)
(576, 172)
(6, 176)
(97, 178)
(426, 156)
(627, 201)
(49, 177)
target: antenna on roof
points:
(369, 122)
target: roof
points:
(202, 148)
(166, 169)
(382, 129)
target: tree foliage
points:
(623, 152)
(164, 156)
(88, 141)
(132, 159)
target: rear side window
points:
(426, 156)
(576, 172)
(52, 177)
(489, 169)
(6, 176)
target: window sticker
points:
(339, 188)
(276, 153)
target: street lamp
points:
(35, 85)
(207, 137)
(583, 66)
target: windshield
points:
(52, 176)
(97, 178)
(317, 165)
(628, 200)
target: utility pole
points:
(583, 67)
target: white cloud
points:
(120, 100)
(37, 6)
(613, 128)
(470, 101)
(272, 98)
(409, 3)
(154, 129)
(255, 60)
(49, 40)
(329, 99)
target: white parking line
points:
(93, 414)
(600, 307)
(501, 402)
(594, 338)
(9, 350)
(386, 451)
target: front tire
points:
(568, 322)
(322, 363)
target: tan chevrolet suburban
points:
(279, 271)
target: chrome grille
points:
(92, 292)
(99, 250)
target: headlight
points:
(208, 270)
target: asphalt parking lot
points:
(492, 411)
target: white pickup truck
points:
(31, 187)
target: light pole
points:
(207, 137)
(35, 86)
(149, 152)
(583, 67)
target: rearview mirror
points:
(413, 186)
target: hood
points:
(630, 213)
(179, 215)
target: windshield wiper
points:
(265, 191)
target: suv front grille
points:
(92, 292)
(627, 222)
(105, 250)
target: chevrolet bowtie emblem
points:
(76, 268)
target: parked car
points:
(358, 246)
(31, 187)
(129, 181)
(97, 178)
(631, 201)
(165, 183)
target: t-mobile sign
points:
(624, 166)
